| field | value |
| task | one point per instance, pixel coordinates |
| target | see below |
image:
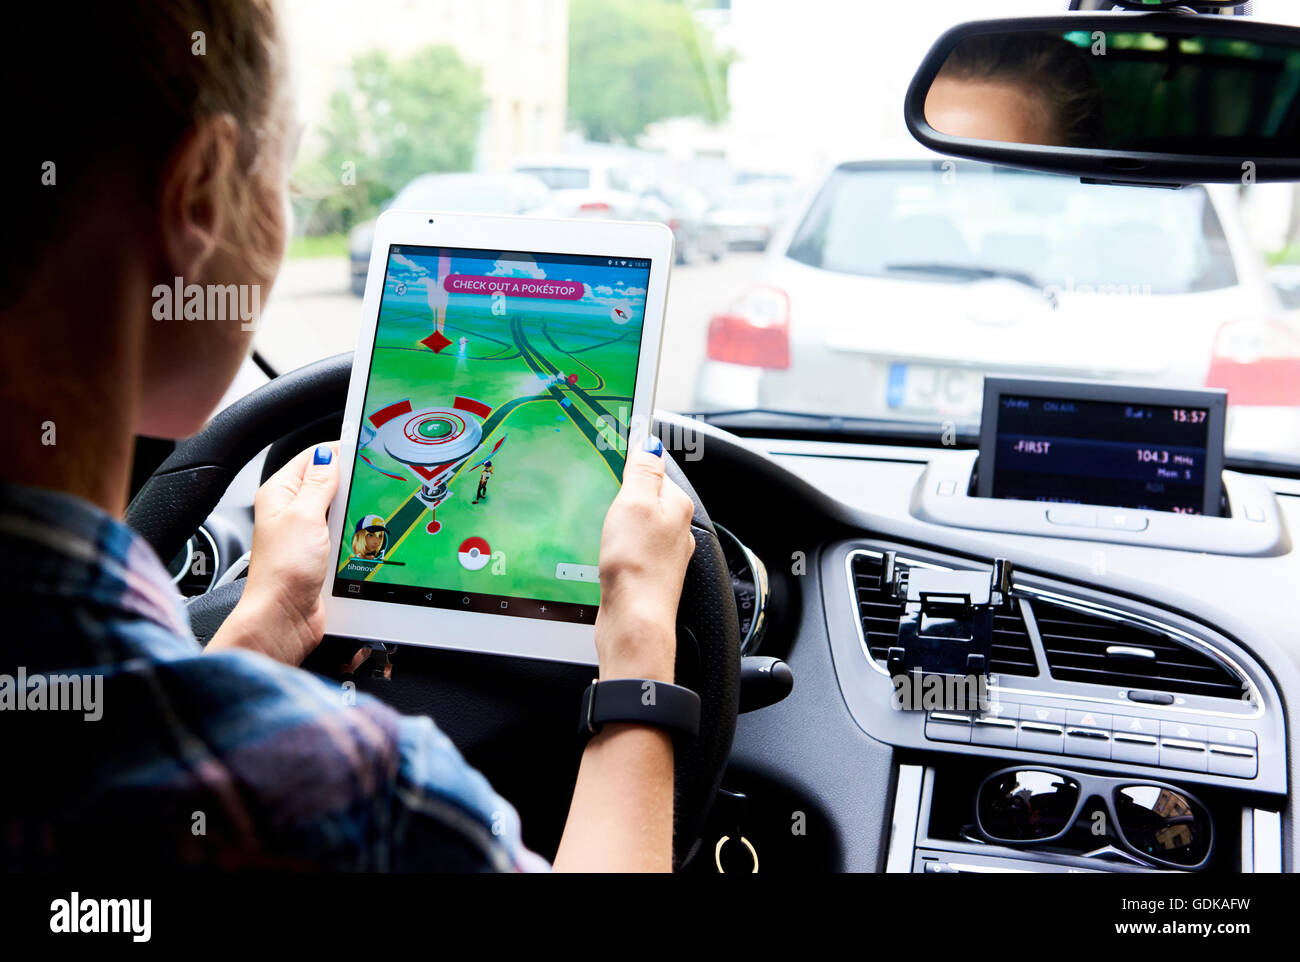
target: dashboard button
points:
(1036, 737)
(1151, 697)
(1134, 747)
(1088, 719)
(1188, 755)
(1041, 729)
(1233, 736)
(1134, 726)
(994, 730)
(1087, 742)
(1122, 521)
(1002, 709)
(1073, 517)
(1235, 760)
(943, 726)
(1037, 713)
(1183, 731)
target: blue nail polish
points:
(653, 445)
(323, 455)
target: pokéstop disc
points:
(431, 436)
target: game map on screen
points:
(493, 431)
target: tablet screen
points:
(493, 432)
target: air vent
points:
(1092, 648)
(1013, 652)
(879, 611)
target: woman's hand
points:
(621, 816)
(280, 612)
(644, 549)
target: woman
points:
(164, 160)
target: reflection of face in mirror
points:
(1023, 88)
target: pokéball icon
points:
(474, 554)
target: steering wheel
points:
(186, 487)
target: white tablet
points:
(505, 366)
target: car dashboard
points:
(1150, 660)
(1162, 654)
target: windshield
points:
(830, 273)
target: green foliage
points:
(389, 121)
(633, 62)
(319, 245)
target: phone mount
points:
(946, 628)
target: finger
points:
(677, 502)
(643, 473)
(320, 479)
(282, 487)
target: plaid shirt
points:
(162, 756)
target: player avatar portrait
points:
(370, 538)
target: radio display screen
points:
(1096, 444)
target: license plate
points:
(934, 390)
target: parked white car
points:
(463, 193)
(902, 282)
(593, 186)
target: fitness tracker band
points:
(641, 702)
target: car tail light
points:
(1257, 362)
(594, 207)
(754, 331)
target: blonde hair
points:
(142, 75)
(241, 72)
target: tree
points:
(632, 62)
(389, 122)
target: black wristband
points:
(640, 702)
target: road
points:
(311, 314)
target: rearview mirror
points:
(1116, 98)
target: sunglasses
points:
(1159, 823)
